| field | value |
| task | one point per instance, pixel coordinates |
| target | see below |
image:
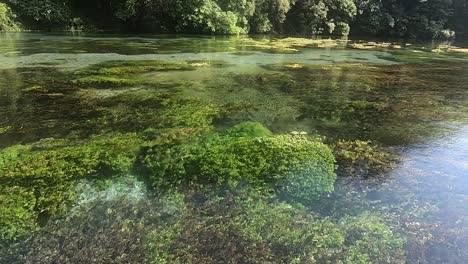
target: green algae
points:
(357, 100)
(104, 81)
(124, 73)
(362, 157)
(296, 165)
(250, 229)
(289, 45)
(18, 217)
(135, 67)
(141, 109)
(47, 174)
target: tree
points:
(323, 16)
(43, 13)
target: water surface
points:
(410, 100)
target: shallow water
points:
(410, 104)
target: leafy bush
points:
(246, 154)
(8, 19)
(45, 13)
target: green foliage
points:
(269, 15)
(104, 81)
(236, 156)
(358, 157)
(412, 18)
(45, 13)
(248, 129)
(49, 174)
(137, 66)
(372, 240)
(8, 21)
(323, 16)
(12, 153)
(17, 215)
(123, 73)
(243, 227)
(206, 16)
(103, 230)
(159, 241)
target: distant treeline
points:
(392, 18)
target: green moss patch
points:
(104, 81)
(297, 165)
(362, 158)
(48, 175)
(135, 67)
(242, 227)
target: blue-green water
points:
(411, 101)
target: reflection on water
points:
(65, 90)
(426, 196)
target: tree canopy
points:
(395, 18)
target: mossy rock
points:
(296, 165)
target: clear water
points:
(411, 101)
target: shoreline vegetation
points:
(374, 18)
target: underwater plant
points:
(38, 180)
(246, 153)
(359, 157)
(241, 226)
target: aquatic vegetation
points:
(104, 81)
(17, 215)
(124, 73)
(289, 45)
(248, 129)
(242, 227)
(373, 240)
(72, 180)
(239, 157)
(4, 129)
(137, 110)
(159, 242)
(50, 174)
(104, 230)
(129, 67)
(12, 153)
(188, 112)
(207, 63)
(374, 45)
(362, 158)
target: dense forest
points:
(394, 18)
